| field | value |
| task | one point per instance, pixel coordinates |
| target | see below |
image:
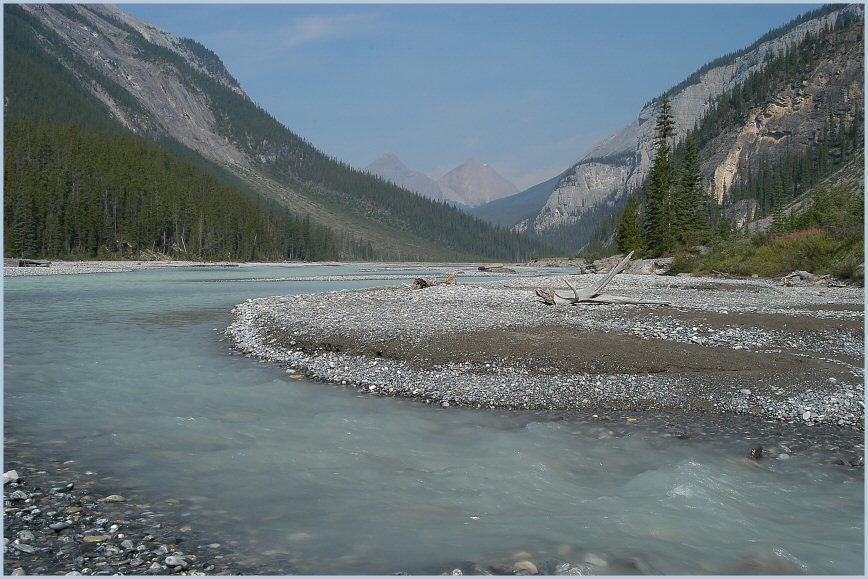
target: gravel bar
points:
(757, 347)
(82, 267)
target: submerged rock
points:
(525, 566)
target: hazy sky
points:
(525, 88)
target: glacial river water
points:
(130, 376)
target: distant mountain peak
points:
(473, 183)
(388, 161)
(389, 167)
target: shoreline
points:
(61, 267)
(726, 346)
(113, 266)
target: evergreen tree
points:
(629, 235)
(658, 204)
(690, 211)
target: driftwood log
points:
(421, 283)
(593, 295)
(496, 268)
(33, 263)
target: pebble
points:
(24, 547)
(112, 499)
(10, 476)
(175, 561)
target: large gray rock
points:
(10, 476)
(641, 267)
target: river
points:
(130, 376)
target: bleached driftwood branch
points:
(592, 295)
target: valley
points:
(229, 351)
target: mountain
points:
(509, 211)
(473, 183)
(599, 182)
(106, 71)
(469, 185)
(390, 168)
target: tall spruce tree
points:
(629, 234)
(689, 208)
(658, 205)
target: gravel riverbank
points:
(794, 354)
(60, 520)
(81, 267)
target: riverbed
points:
(130, 376)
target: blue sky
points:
(525, 88)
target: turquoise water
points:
(130, 376)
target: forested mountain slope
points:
(109, 72)
(594, 189)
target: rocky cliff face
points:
(105, 37)
(577, 191)
(474, 183)
(632, 146)
(795, 118)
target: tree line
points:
(70, 193)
